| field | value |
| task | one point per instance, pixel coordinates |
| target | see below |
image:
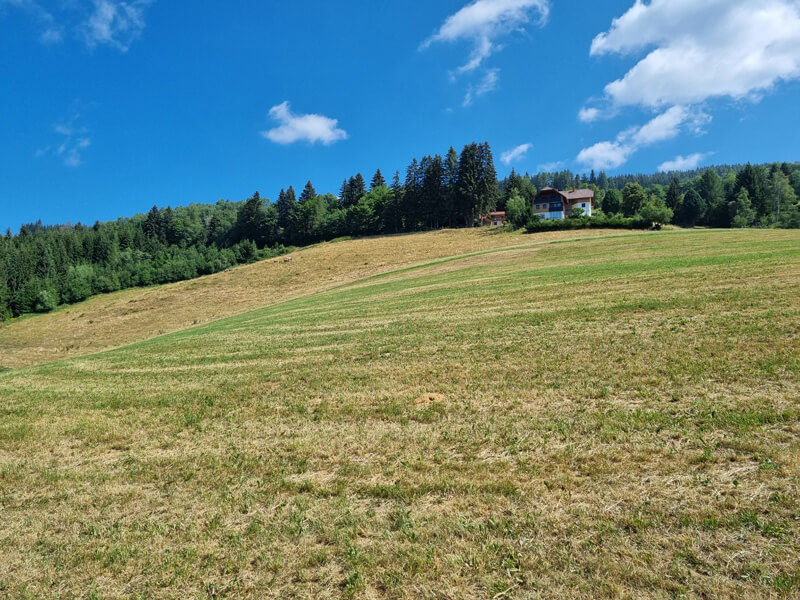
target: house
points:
(551, 203)
(495, 219)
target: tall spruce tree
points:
(674, 196)
(377, 180)
(309, 193)
(692, 209)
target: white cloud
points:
(690, 52)
(605, 155)
(702, 49)
(587, 115)
(484, 86)
(515, 153)
(115, 23)
(551, 166)
(483, 21)
(668, 125)
(51, 31)
(295, 128)
(682, 163)
(74, 140)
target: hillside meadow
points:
(113, 320)
(614, 415)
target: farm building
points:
(551, 203)
(495, 219)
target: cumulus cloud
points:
(482, 22)
(115, 23)
(310, 128)
(668, 125)
(688, 53)
(588, 115)
(682, 163)
(73, 141)
(605, 155)
(701, 50)
(484, 86)
(515, 153)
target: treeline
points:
(744, 196)
(44, 266)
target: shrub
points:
(518, 210)
(46, 301)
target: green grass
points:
(614, 417)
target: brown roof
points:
(569, 195)
(497, 214)
(582, 194)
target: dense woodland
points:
(42, 266)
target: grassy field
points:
(113, 320)
(615, 416)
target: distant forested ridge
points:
(43, 266)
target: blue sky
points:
(108, 107)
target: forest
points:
(44, 266)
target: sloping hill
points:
(128, 316)
(600, 418)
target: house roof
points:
(497, 214)
(582, 194)
(568, 195)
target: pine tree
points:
(674, 196)
(309, 193)
(752, 179)
(152, 223)
(488, 181)
(357, 188)
(286, 210)
(412, 189)
(633, 197)
(377, 180)
(433, 191)
(468, 199)
(602, 180)
(744, 215)
(692, 209)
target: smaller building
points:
(494, 219)
(551, 203)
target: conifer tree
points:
(377, 180)
(633, 197)
(692, 209)
(744, 215)
(309, 193)
(674, 196)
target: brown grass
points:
(121, 318)
(612, 418)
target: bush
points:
(600, 221)
(656, 211)
(46, 301)
(518, 211)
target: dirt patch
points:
(428, 399)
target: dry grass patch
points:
(114, 320)
(603, 418)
